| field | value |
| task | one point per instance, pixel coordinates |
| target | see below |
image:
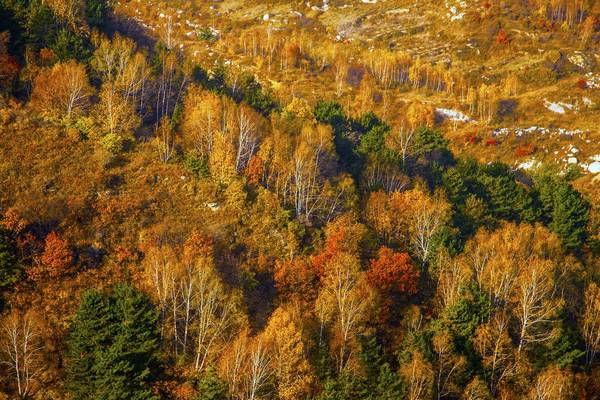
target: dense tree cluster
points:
(214, 242)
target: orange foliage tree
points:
(342, 235)
(56, 258)
(62, 90)
(57, 255)
(393, 272)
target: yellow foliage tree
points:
(293, 372)
(62, 90)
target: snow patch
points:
(539, 131)
(323, 8)
(456, 9)
(578, 59)
(452, 115)
(592, 81)
(594, 168)
(554, 107)
(528, 164)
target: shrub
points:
(522, 151)
(55, 260)
(113, 143)
(197, 165)
(69, 45)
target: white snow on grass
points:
(453, 115)
(323, 8)
(559, 107)
(592, 81)
(577, 59)
(456, 9)
(554, 107)
(594, 168)
(529, 164)
(499, 132)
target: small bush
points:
(113, 143)
(197, 165)
(522, 151)
(206, 34)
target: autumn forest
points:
(276, 214)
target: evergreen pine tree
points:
(389, 385)
(112, 346)
(90, 335)
(570, 216)
(455, 186)
(96, 11)
(68, 45)
(211, 386)
(433, 146)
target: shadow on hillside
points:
(130, 28)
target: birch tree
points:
(426, 217)
(259, 370)
(419, 377)
(21, 349)
(553, 384)
(199, 314)
(203, 118)
(590, 322)
(62, 90)
(343, 301)
(537, 305)
(402, 140)
(448, 365)
(493, 344)
(247, 136)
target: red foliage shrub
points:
(502, 37)
(393, 272)
(255, 170)
(471, 138)
(9, 67)
(582, 84)
(491, 142)
(56, 259)
(333, 246)
(525, 151)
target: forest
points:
(174, 226)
